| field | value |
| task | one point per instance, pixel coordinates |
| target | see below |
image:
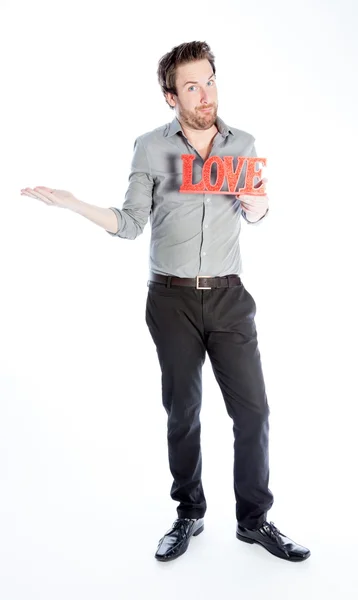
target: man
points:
(196, 301)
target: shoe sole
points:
(275, 553)
(182, 549)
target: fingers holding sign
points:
(255, 206)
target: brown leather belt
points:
(201, 282)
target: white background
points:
(84, 476)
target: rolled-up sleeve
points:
(134, 214)
(253, 153)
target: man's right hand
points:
(60, 198)
(104, 217)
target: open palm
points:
(60, 198)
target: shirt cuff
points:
(253, 222)
(118, 215)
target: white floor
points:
(54, 552)
(85, 499)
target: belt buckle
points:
(197, 282)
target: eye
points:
(211, 81)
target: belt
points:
(207, 282)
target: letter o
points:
(220, 174)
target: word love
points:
(225, 171)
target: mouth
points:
(205, 109)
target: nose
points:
(204, 97)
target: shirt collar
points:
(175, 126)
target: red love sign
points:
(224, 171)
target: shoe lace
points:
(275, 533)
(181, 524)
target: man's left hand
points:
(254, 206)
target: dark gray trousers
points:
(185, 323)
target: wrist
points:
(74, 204)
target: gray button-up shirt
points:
(191, 234)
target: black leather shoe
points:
(176, 540)
(274, 541)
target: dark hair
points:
(179, 55)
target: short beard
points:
(197, 120)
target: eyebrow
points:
(212, 75)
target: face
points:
(196, 88)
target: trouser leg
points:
(173, 318)
(233, 350)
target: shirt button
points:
(206, 226)
(204, 253)
(208, 199)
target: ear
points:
(170, 99)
